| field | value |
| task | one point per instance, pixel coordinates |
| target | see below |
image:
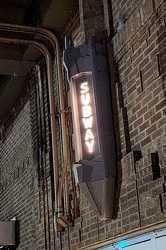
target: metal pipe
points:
(54, 41)
(47, 55)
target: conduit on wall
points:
(51, 37)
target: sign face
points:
(95, 164)
(87, 145)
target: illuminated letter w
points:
(88, 122)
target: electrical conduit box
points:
(95, 167)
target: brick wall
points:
(16, 176)
(139, 55)
(43, 188)
(26, 190)
(138, 48)
(26, 185)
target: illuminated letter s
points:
(84, 87)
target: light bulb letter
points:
(86, 111)
(85, 98)
(84, 87)
(88, 122)
(90, 145)
(89, 135)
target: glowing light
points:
(84, 87)
(90, 145)
(89, 135)
(86, 111)
(88, 122)
(85, 98)
(122, 243)
(87, 116)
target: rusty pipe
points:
(54, 41)
(49, 69)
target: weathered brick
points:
(138, 40)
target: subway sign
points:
(95, 158)
(84, 113)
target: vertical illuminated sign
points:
(95, 164)
(87, 145)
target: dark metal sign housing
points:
(7, 233)
(88, 73)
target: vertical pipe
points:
(53, 39)
(49, 69)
